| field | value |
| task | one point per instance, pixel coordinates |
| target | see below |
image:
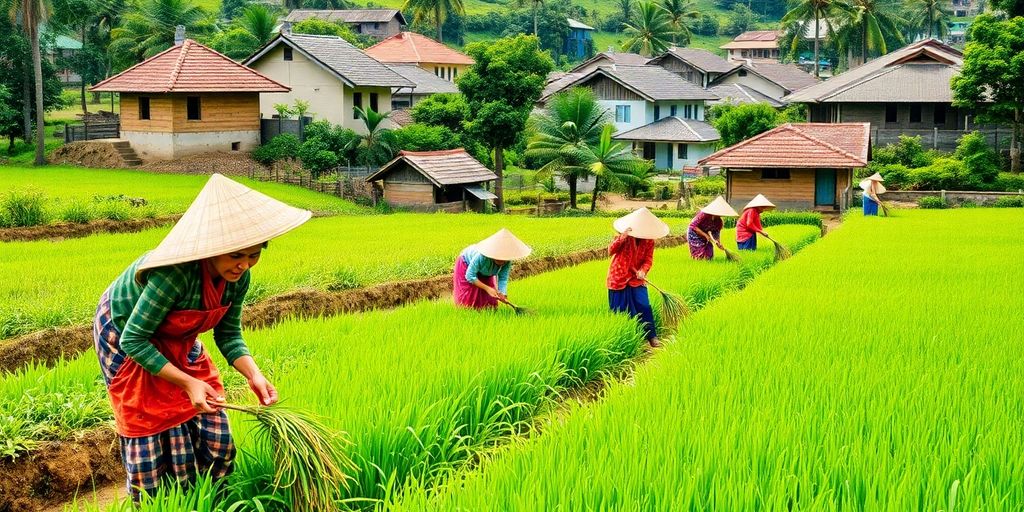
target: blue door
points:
(825, 187)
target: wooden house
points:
(580, 41)
(450, 180)
(798, 166)
(754, 46)
(376, 23)
(694, 64)
(187, 100)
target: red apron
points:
(145, 404)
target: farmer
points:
(163, 386)
(481, 272)
(705, 229)
(632, 255)
(749, 224)
(872, 187)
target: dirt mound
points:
(46, 346)
(58, 232)
(232, 164)
(89, 154)
(58, 471)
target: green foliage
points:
(740, 19)
(532, 197)
(317, 158)
(1009, 202)
(318, 27)
(932, 203)
(1012, 8)
(649, 30)
(945, 174)
(706, 25)
(423, 137)
(1008, 182)
(448, 110)
(981, 160)
(434, 12)
(230, 9)
(736, 123)
(708, 186)
(279, 148)
(680, 14)
(237, 43)
(149, 29)
(25, 208)
(908, 152)
(76, 211)
(930, 18)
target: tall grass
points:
(813, 389)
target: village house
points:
(694, 64)
(580, 42)
(422, 51)
(798, 166)
(903, 92)
(449, 180)
(376, 23)
(187, 100)
(61, 50)
(329, 73)
(754, 46)
(425, 84)
(772, 79)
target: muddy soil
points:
(99, 155)
(229, 164)
(45, 346)
(58, 232)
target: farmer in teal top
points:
(481, 271)
(164, 389)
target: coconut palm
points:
(259, 20)
(435, 11)
(149, 29)
(377, 146)
(931, 19)
(813, 11)
(563, 135)
(31, 14)
(610, 163)
(866, 26)
(678, 12)
(650, 30)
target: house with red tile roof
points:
(754, 46)
(422, 51)
(187, 100)
(800, 166)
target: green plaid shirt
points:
(139, 309)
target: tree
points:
(992, 77)
(1012, 8)
(377, 146)
(260, 21)
(931, 18)
(611, 163)
(230, 9)
(32, 14)
(679, 11)
(736, 123)
(865, 27)
(626, 7)
(149, 30)
(448, 110)
(649, 30)
(813, 11)
(8, 114)
(535, 7)
(741, 19)
(501, 88)
(16, 70)
(318, 27)
(434, 10)
(564, 133)
(236, 42)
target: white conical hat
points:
(226, 216)
(503, 246)
(645, 225)
(720, 207)
(759, 201)
(875, 177)
(867, 182)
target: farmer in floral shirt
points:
(632, 255)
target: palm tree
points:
(932, 19)
(435, 11)
(535, 6)
(260, 21)
(650, 30)
(149, 30)
(377, 146)
(33, 13)
(626, 7)
(867, 24)
(610, 163)
(563, 134)
(678, 12)
(812, 11)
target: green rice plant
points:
(25, 208)
(76, 211)
(901, 392)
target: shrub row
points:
(32, 208)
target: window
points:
(673, 110)
(143, 107)
(657, 112)
(622, 113)
(939, 114)
(743, 72)
(681, 151)
(373, 102)
(235, 146)
(774, 174)
(359, 28)
(288, 53)
(915, 113)
(890, 113)
(688, 112)
(357, 102)
(194, 109)
(437, 71)
(455, 72)
(376, 26)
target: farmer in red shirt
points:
(749, 224)
(632, 255)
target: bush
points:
(981, 160)
(25, 208)
(708, 186)
(448, 110)
(706, 25)
(897, 176)
(932, 203)
(77, 212)
(113, 210)
(1009, 202)
(279, 148)
(944, 174)
(1008, 182)
(530, 197)
(317, 158)
(908, 151)
(422, 137)
(337, 139)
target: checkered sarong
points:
(202, 444)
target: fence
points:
(943, 140)
(949, 196)
(270, 128)
(92, 131)
(344, 182)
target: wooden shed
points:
(798, 166)
(450, 180)
(189, 99)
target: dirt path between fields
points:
(58, 232)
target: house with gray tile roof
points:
(425, 84)
(772, 79)
(694, 64)
(376, 23)
(739, 94)
(330, 74)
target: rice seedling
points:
(673, 308)
(781, 252)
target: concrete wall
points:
(761, 85)
(638, 113)
(446, 71)
(694, 152)
(168, 146)
(951, 196)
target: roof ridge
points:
(173, 79)
(781, 127)
(885, 70)
(689, 128)
(101, 83)
(438, 152)
(826, 144)
(415, 51)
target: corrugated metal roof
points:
(450, 167)
(672, 129)
(654, 83)
(425, 81)
(610, 57)
(799, 146)
(339, 57)
(754, 39)
(346, 15)
(701, 59)
(740, 94)
(410, 47)
(919, 72)
(578, 25)
(189, 67)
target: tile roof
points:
(610, 57)
(340, 58)
(449, 167)
(401, 117)
(701, 59)
(425, 81)
(919, 72)
(672, 129)
(799, 146)
(189, 67)
(578, 25)
(413, 48)
(740, 94)
(654, 83)
(754, 39)
(788, 76)
(346, 15)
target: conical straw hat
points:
(720, 207)
(759, 201)
(503, 246)
(875, 177)
(226, 216)
(645, 225)
(866, 184)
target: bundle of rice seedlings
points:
(781, 252)
(885, 209)
(673, 307)
(519, 310)
(310, 464)
(729, 255)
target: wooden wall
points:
(161, 118)
(795, 193)
(408, 193)
(607, 89)
(220, 112)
